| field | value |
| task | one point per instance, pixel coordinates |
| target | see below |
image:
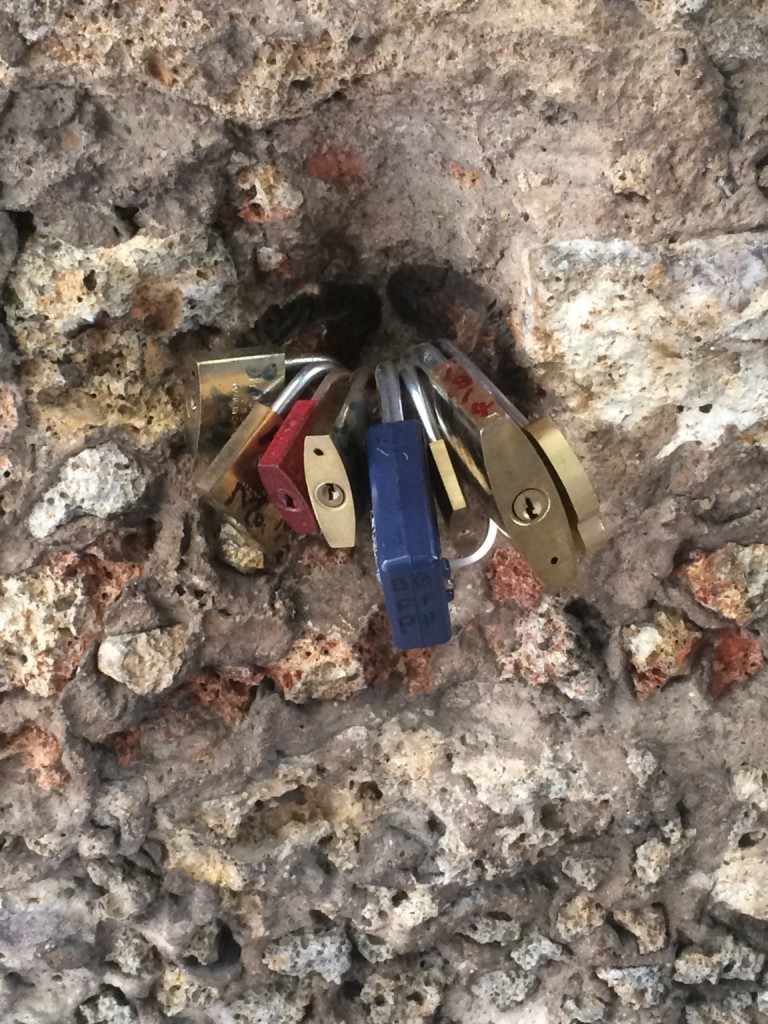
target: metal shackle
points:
(300, 362)
(421, 402)
(301, 381)
(390, 396)
(452, 351)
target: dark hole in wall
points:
(337, 318)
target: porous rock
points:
(660, 650)
(50, 614)
(638, 987)
(101, 481)
(732, 581)
(648, 925)
(326, 953)
(144, 662)
(575, 193)
(624, 331)
(319, 667)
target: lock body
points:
(524, 497)
(231, 482)
(578, 494)
(281, 467)
(463, 525)
(221, 390)
(413, 574)
(334, 465)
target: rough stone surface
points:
(661, 342)
(659, 651)
(732, 581)
(144, 662)
(101, 481)
(262, 813)
(736, 657)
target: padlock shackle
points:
(300, 382)
(454, 352)
(390, 396)
(420, 401)
(299, 362)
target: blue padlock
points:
(413, 574)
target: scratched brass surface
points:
(514, 465)
(221, 390)
(231, 482)
(578, 492)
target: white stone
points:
(636, 986)
(58, 288)
(501, 989)
(742, 882)
(101, 481)
(269, 1005)
(144, 662)
(620, 332)
(642, 763)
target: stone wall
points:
(225, 798)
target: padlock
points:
(221, 390)
(464, 528)
(231, 482)
(550, 518)
(334, 464)
(414, 576)
(281, 467)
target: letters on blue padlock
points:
(413, 574)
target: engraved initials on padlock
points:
(221, 390)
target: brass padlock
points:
(462, 523)
(334, 464)
(231, 482)
(542, 498)
(221, 390)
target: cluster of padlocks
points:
(433, 431)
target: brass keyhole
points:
(530, 506)
(330, 495)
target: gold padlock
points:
(231, 482)
(462, 523)
(542, 498)
(334, 464)
(222, 389)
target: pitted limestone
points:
(101, 481)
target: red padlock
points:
(281, 467)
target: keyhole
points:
(530, 506)
(287, 500)
(330, 495)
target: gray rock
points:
(101, 481)
(144, 662)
